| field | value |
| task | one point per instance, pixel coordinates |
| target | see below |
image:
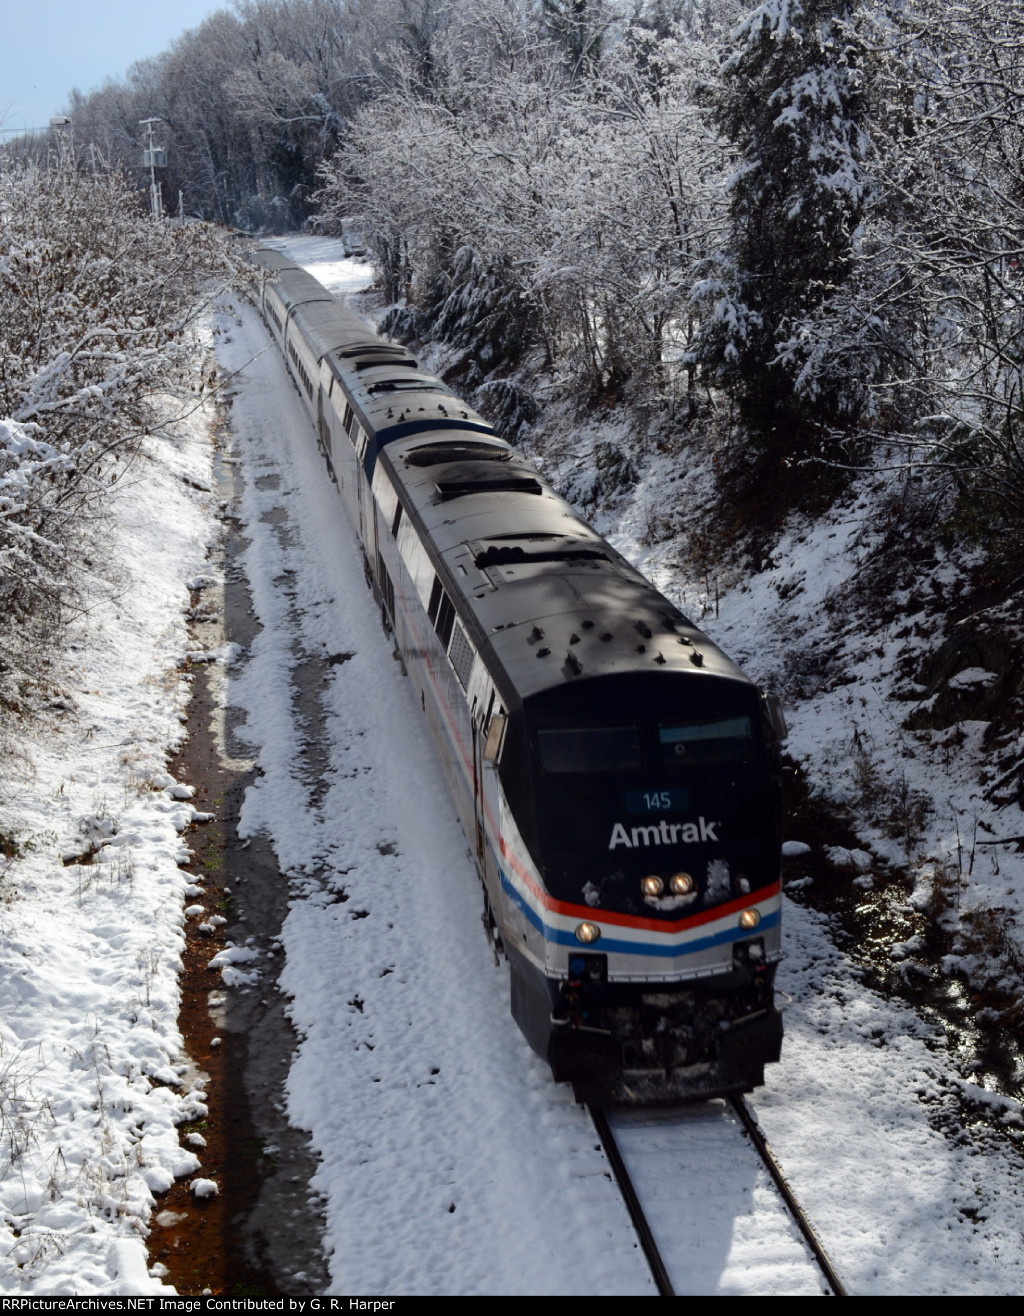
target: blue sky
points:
(49, 46)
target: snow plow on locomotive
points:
(616, 775)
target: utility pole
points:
(154, 156)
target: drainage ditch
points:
(261, 1234)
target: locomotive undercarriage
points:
(641, 1044)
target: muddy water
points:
(261, 1234)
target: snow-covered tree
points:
(941, 266)
(521, 209)
(790, 103)
(928, 325)
(96, 302)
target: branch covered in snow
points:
(96, 307)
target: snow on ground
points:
(900, 1206)
(92, 1077)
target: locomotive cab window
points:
(724, 740)
(589, 749)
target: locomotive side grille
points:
(461, 654)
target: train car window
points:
(436, 591)
(350, 416)
(396, 522)
(445, 621)
(387, 589)
(495, 738)
(590, 749)
(724, 740)
(441, 612)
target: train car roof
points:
(297, 288)
(271, 259)
(329, 327)
(395, 399)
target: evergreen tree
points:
(790, 103)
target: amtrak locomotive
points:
(617, 776)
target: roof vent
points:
(436, 454)
(377, 362)
(373, 349)
(483, 484)
(502, 555)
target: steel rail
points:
(636, 1211)
(796, 1211)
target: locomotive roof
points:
(551, 599)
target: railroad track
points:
(706, 1216)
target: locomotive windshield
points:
(589, 749)
(723, 740)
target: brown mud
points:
(261, 1235)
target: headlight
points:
(652, 886)
(587, 933)
(750, 918)
(682, 884)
